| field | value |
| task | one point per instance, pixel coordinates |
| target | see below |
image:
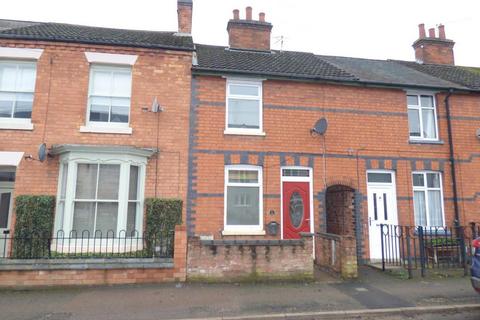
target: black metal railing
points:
(425, 248)
(84, 245)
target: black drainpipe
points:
(452, 159)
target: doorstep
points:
(84, 264)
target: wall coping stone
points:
(289, 242)
(84, 264)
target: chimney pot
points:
(431, 32)
(441, 32)
(421, 31)
(236, 14)
(249, 13)
(261, 16)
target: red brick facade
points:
(367, 129)
(59, 110)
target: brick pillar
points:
(180, 253)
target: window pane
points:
(131, 219)
(435, 208)
(8, 77)
(99, 109)
(63, 186)
(121, 84)
(6, 107)
(379, 177)
(419, 207)
(7, 176)
(243, 114)
(414, 122)
(86, 181)
(243, 206)
(23, 106)
(433, 180)
(26, 78)
(4, 209)
(133, 187)
(428, 118)
(295, 173)
(119, 114)
(107, 215)
(108, 181)
(84, 218)
(426, 101)
(243, 176)
(243, 90)
(418, 180)
(101, 83)
(412, 100)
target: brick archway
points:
(340, 210)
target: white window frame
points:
(425, 189)
(19, 123)
(108, 127)
(244, 229)
(245, 82)
(73, 159)
(419, 108)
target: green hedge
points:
(33, 226)
(162, 217)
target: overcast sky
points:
(379, 29)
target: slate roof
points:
(275, 63)
(301, 65)
(94, 35)
(389, 72)
(465, 76)
(9, 24)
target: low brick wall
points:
(337, 254)
(250, 260)
(42, 273)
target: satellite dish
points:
(320, 127)
(42, 152)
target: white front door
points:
(382, 208)
(6, 201)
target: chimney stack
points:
(247, 33)
(184, 11)
(432, 49)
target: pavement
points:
(375, 295)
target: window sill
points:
(94, 129)
(244, 133)
(415, 141)
(243, 232)
(16, 126)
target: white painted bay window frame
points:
(244, 229)
(418, 108)
(425, 189)
(66, 194)
(255, 83)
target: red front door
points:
(296, 209)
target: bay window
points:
(100, 193)
(428, 199)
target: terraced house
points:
(98, 118)
(281, 158)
